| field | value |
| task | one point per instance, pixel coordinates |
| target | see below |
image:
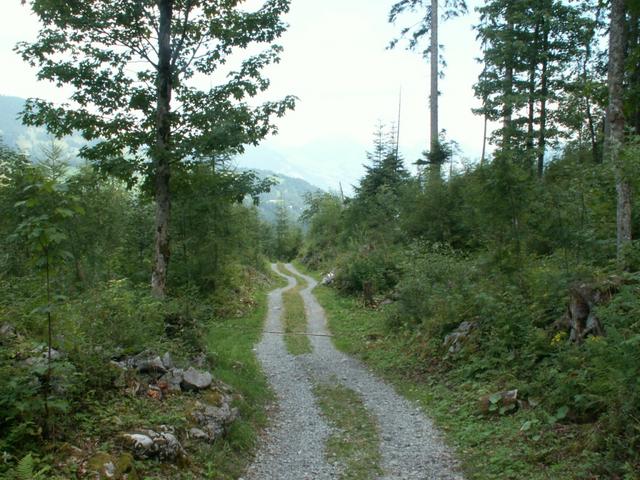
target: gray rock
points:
(7, 332)
(149, 443)
(456, 339)
(41, 356)
(200, 360)
(109, 470)
(153, 365)
(198, 434)
(167, 361)
(214, 420)
(173, 379)
(329, 278)
(196, 380)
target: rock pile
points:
(162, 376)
(151, 444)
(212, 421)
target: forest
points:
(501, 295)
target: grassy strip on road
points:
(294, 318)
(354, 445)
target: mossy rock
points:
(125, 467)
(213, 397)
(99, 464)
(106, 466)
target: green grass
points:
(354, 445)
(495, 447)
(294, 317)
(231, 341)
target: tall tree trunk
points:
(435, 166)
(544, 92)
(507, 110)
(533, 63)
(484, 139)
(587, 98)
(633, 45)
(616, 121)
(162, 153)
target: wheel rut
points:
(292, 448)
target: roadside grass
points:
(354, 445)
(294, 317)
(527, 444)
(231, 342)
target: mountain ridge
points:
(289, 189)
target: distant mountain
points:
(289, 191)
(29, 140)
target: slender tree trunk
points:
(531, 113)
(435, 166)
(484, 139)
(544, 92)
(616, 121)
(47, 381)
(633, 44)
(590, 122)
(161, 154)
(533, 63)
(507, 110)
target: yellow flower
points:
(558, 338)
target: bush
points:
(434, 290)
(370, 265)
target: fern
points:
(24, 469)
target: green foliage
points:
(323, 216)
(26, 470)
(500, 248)
(369, 265)
(434, 289)
(95, 235)
(101, 41)
(284, 237)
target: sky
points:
(336, 62)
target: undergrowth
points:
(580, 419)
(88, 408)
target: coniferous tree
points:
(430, 11)
(527, 49)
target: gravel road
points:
(292, 448)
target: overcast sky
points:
(336, 62)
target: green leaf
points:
(561, 413)
(65, 212)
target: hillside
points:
(30, 140)
(289, 190)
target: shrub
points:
(369, 264)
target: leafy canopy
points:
(107, 51)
